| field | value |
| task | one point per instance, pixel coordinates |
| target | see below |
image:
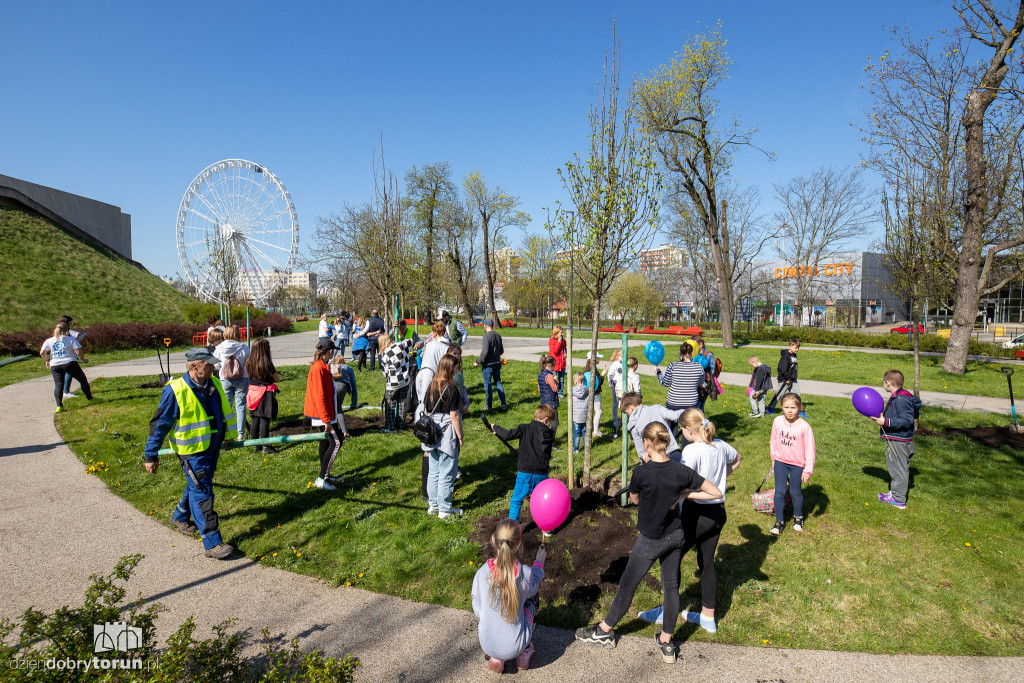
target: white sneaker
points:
(70, 394)
(431, 510)
(325, 485)
(455, 512)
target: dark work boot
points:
(184, 527)
(220, 552)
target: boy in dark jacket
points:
(760, 385)
(787, 373)
(897, 423)
(535, 441)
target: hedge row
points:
(132, 335)
(203, 313)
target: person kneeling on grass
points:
(656, 489)
(505, 599)
(196, 414)
(535, 441)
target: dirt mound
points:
(356, 425)
(993, 437)
(587, 554)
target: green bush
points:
(67, 636)
(898, 342)
(203, 313)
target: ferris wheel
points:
(237, 232)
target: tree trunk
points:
(723, 278)
(588, 435)
(917, 348)
(489, 274)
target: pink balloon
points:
(549, 504)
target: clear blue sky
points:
(126, 102)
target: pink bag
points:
(764, 501)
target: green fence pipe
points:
(269, 441)
(16, 359)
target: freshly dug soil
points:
(356, 426)
(587, 554)
(993, 437)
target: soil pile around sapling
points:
(356, 426)
(993, 437)
(586, 555)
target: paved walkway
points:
(60, 524)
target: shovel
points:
(1013, 408)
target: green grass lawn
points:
(940, 577)
(850, 367)
(36, 366)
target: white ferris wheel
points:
(237, 232)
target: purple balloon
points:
(868, 402)
(549, 504)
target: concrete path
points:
(60, 524)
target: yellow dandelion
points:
(298, 554)
(967, 544)
(275, 554)
(360, 576)
(348, 583)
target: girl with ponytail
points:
(713, 459)
(656, 489)
(505, 599)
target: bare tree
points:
(614, 191)
(678, 104)
(460, 233)
(820, 214)
(496, 210)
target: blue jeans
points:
(525, 484)
(560, 374)
(441, 472)
(197, 501)
(489, 371)
(235, 390)
(578, 430)
(784, 471)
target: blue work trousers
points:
(197, 501)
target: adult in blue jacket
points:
(196, 414)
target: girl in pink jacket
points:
(792, 449)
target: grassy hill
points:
(45, 272)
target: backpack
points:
(424, 428)
(231, 369)
(718, 367)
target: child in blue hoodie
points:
(897, 423)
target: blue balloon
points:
(655, 352)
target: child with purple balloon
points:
(897, 424)
(656, 489)
(792, 450)
(535, 441)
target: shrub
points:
(897, 342)
(67, 634)
(275, 321)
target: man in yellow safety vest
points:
(196, 415)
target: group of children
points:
(680, 499)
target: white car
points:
(1015, 342)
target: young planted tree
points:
(496, 210)
(614, 189)
(948, 110)
(678, 105)
(819, 214)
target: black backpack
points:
(425, 429)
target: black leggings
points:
(702, 525)
(669, 550)
(59, 372)
(260, 427)
(329, 449)
(361, 357)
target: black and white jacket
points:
(394, 363)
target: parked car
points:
(906, 329)
(1015, 342)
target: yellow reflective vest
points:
(193, 432)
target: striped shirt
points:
(682, 379)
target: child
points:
(792, 449)
(535, 440)
(639, 416)
(760, 385)
(261, 399)
(633, 377)
(580, 392)
(613, 373)
(787, 373)
(505, 599)
(897, 423)
(597, 392)
(656, 489)
(547, 386)
(703, 520)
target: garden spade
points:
(1013, 408)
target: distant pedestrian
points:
(491, 350)
(360, 344)
(375, 328)
(455, 330)
(556, 349)
(323, 327)
(61, 355)
(81, 337)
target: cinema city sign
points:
(811, 271)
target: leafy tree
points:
(614, 189)
(636, 296)
(460, 233)
(429, 192)
(679, 107)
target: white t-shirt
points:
(711, 462)
(62, 351)
(323, 328)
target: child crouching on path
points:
(505, 599)
(656, 488)
(535, 441)
(897, 424)
(792, 449)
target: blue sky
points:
(127, 102)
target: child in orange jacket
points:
(321, 406)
